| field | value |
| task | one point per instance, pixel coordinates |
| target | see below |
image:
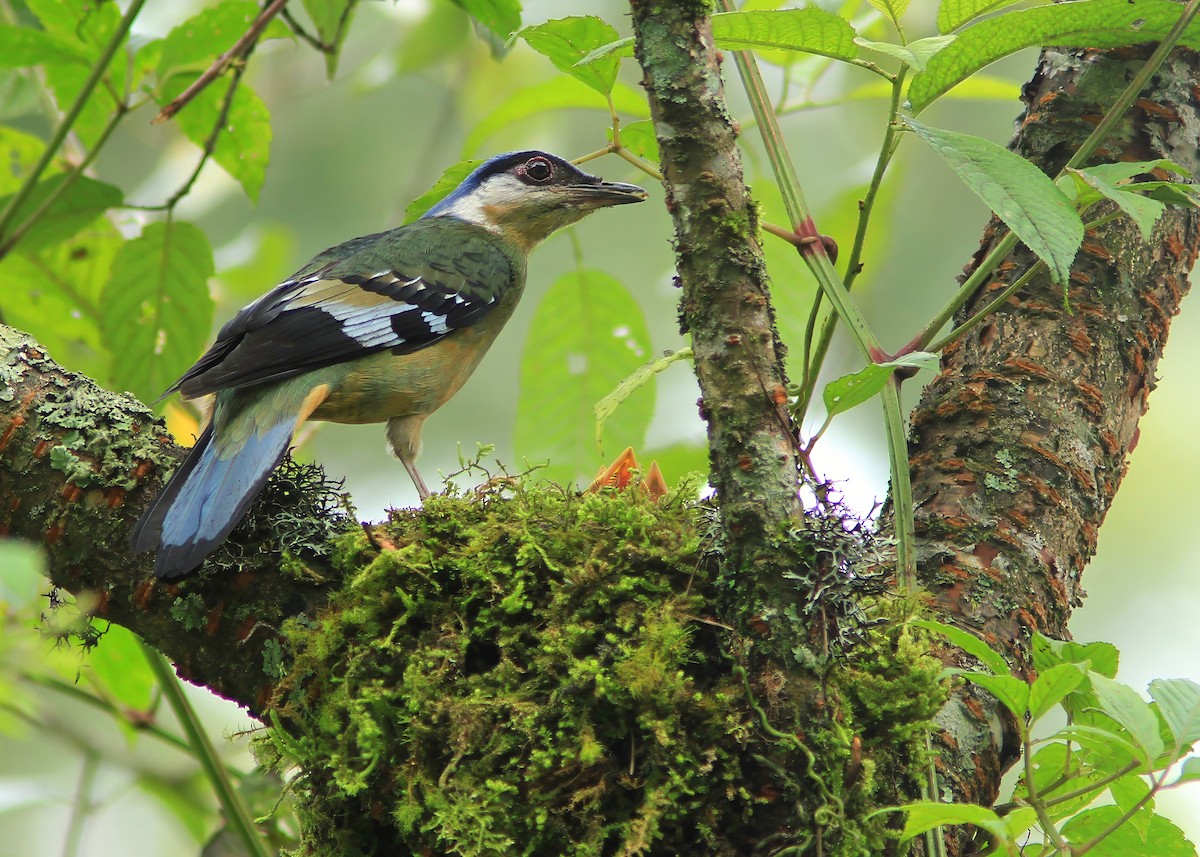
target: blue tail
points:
(207, 496)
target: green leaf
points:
(1124, 705)
(24, 46)
(587, 335)
(1047, 652)
(952, 14)
(157, 309)
(55, 294)
(81, 203)
(915, 54)
(1106, 744)
(926, 815)
(118, 666)
(1179, 703)
(1127, 792)
(1162, 838)
(639, 138)
(244, 144)
(502, 17)
(637, 379)
(621, 49)
(194, 45)
(1090, 23)
(850, 391)
(1052, 685)
(1019, 193)
(1012, 693)
(969, 643)
(450, 178)
(1120, 172)
(1058, 771)
(567, 41)
(811, 30)
(331, 18)
(559, 93)
(894, 9)
(89, 27)
(1143, 210)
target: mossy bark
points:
(1021, 442)
(725, 304)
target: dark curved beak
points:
(604, 193)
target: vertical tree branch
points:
(725, 305)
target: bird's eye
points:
(538, 170)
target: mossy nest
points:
(542, 674)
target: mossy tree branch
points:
(725, 304)
(77, 464)
(1021, 442)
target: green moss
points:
(543, 674)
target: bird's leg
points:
(411, 467)
(404, 434)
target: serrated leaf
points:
(952, 14)
(1084, 23)
(1142, 210)
(1179, 703)
(637, 379)
(1120, 172)
(566, 41)
(81, 203)
(244, 144)
(850, 391)
(811, 30)
(1161, 839)
(1020, 194)
(450, 178)
(1052, 685)
(191, 47)
(1126, 706)
(24, 46)
(926, 815)
(588, 334)
(969, 643)
(639, 138)
(1103, 657)
(915, 54)
(559, 93)
(156, 309)
(1105, 744)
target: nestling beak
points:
(602, 194)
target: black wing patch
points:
(329, 315)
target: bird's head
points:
(525, 196)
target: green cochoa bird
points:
(383, 328)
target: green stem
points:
(891, 142)
(1090, 787)
(68, 121)
(236, 813)
(38, 213)
(831, 285)
(81, 804)
(1121, 821)
(1044, 819)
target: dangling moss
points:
(541, 673)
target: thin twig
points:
(240, 47)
